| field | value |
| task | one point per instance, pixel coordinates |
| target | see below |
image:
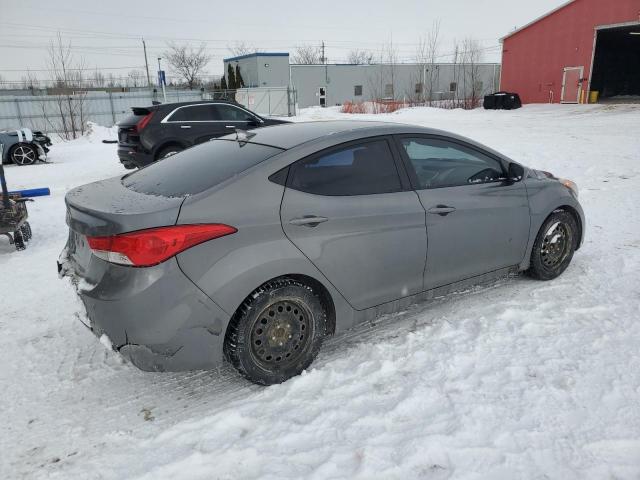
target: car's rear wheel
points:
(554, 246)
(277, 332)
(168, 151)
(23, 154)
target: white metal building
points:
(334, 84)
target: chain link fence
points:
(53, 113)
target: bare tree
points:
(389, 59)
(97, 79)
(471, 57)
(30, 82)
(427, 59)
(360, 57)
(187, 62)
(67, 73)
(306, 55)
(136, 78)
(242, 48)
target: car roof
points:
(193, 102)
(289, 135)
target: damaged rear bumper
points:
(155, 317)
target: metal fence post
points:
(19, 112)
(113, 113)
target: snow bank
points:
(520, 379)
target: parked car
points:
(24, 147)
(159, 131)
(256, 247)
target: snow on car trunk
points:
(518, 379)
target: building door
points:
(572, 85)
(322, 96)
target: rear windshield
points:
(198, 168)
(130, 120)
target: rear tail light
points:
(145, 248)
(144, 121)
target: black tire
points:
(277, 332)
(168, 151)
(554, 246)
(23, 154)
(129, 165)
(26, 231)
(18, 240)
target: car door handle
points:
(441, 210)
(185, 126)
(230, 126)
(308, 221)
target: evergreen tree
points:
(239, 80)
(231, 82)
(223, 83)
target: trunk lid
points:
(107, 207)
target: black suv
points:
(156, 132)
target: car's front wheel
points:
(277, 332)
(23, 154)
(554, 246)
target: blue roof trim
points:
(256, 54)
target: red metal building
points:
(581, 46)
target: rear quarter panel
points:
(228, 269)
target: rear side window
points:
(195, 113)
(439, 163)
(361, 169)
(198, 168)
(233, 114)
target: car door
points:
(477, 221)
(195, 123)
(348, 211)
(233, 117)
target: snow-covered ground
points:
(519, 379)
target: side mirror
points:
(252, 123)
(515, 173)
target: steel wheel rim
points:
(556, 245)
(24, 155)
(280, 334)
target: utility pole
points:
(146, 63)
(322, 59)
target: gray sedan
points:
(256, 246)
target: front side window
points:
(232, 114)
(194, 113)
(361, 169)
(439, 163)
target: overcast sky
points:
(107, 34)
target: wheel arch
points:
(316, 285)
(168, 143)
